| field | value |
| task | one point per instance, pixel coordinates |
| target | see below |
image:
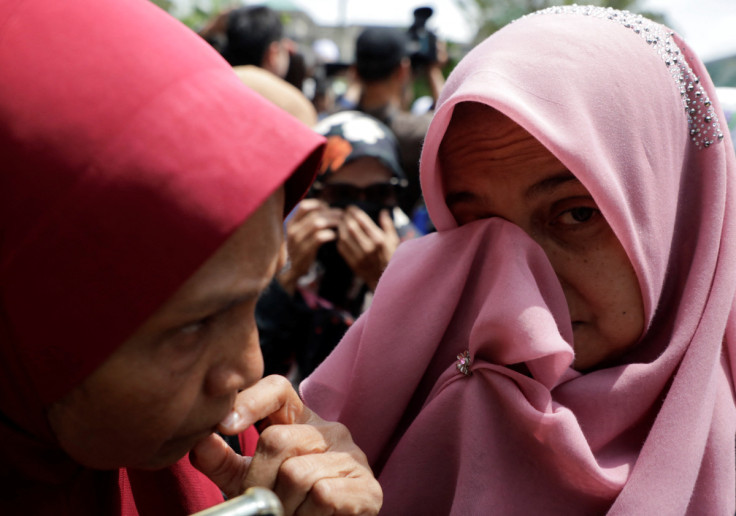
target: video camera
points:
(422, 44)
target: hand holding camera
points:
(314, 223)
(366, 247)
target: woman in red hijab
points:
(141, 200)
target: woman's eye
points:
(190, 328)
(577, 215)
(195, 327)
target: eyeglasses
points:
(385, 194)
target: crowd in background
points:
(367, 198)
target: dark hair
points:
(379, 51)
(250, 31)
(297, 71)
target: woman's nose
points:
(240, 365)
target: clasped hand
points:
(312, 465)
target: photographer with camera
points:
(427, 54)
(339, 242)
(386, 63)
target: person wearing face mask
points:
(566, 342)
(141, 209)
(339, 242)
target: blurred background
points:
(709, 26)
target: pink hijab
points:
(631, 111)
(130, 152)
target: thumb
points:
(213, 457)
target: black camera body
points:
(422, 46)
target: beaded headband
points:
(705, 129)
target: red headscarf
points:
(130, 152)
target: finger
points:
(366, 224)
(306, 236)
(213, 457)
(348, 248)
(276, 445)
(315, 219)
(353, 244)
(376, 236)
(386, 222)
(308, 205)
(343, 496)
(323, 236)
(337, 213)
(294, 461)
(305, 481)
(329, 217)
(391, 236)
(353, 231)
(271, 398)
(305, 246)
(301, 231)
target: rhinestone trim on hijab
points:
(705, 129)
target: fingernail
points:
(232, 419)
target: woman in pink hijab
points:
(565, 343)
(142, 196)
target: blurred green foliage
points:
(166, 5)
(723, 72)
(490, 15)
(200, 13)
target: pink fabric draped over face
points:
(652, 435)
(130, 152)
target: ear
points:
(403, 71)
(270, 56)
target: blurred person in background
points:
(255, 36)
(331, 79)
(339, 242)
(383, 67)
(252, 40)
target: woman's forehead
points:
(480, 136)
(477, 125)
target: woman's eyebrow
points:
(549, 184)
(454, 198)
(221, 301)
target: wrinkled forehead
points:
(476, 123)
(478, 138)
